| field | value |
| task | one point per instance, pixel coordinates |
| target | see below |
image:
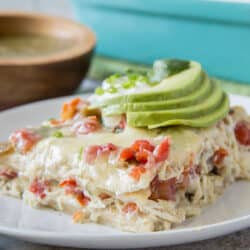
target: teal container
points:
(215, 33)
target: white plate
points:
(230, 213)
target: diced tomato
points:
(142, 156)
(104, 196)
(136, 172)
(219, 156)
(69, 109)
(165, 190)
(107, 147)
(161, 152)
(55, 122)
(24, 139)
(94, 151)
(89, 125)
(130, 207)
(38, 187)
(127, 154)
(242, 132)
(140, 145)
(8, 174)
(71, 187)
(82, 198)
(68, 182)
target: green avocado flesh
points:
(193, 98)
(187, 97)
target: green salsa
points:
(31, 45)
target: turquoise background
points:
(215, 33)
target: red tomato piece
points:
(140, 145)
(127, 154)
(164, 190)
(242, 132)
(69, 109)
(136, 172)
(219, 156)
(107, 148)
(38, 187)
(55, 122)
(161, 151)
(24, 139)
(130, 207)
(82, 198)
(142, 156)
(68, 182)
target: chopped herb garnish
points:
(58, 134)
(112, 90)
(112, 79)
(128, 84)
(80, 153)
(99, 91)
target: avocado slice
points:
(196, 97)
(172, 87)
(202, 121)
(149, 118)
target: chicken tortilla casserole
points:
(146, 151)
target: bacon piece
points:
(94, 151)
(219, 156)
(136, 172)
(130, 207)
(185, 180)
(24, 139)
(161, 152)
(89, 125)
(8, 174)
(242, 132)
(38, 187)
(104, 196)
(164, 190)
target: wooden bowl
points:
(41, 57)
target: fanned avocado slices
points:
(148, 118)
(184, 95)
(193, 98)
(201, 121)
(174, 86)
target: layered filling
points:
(100, 169)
